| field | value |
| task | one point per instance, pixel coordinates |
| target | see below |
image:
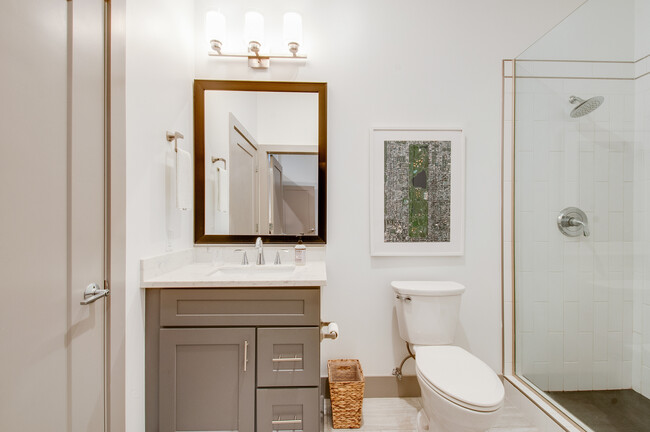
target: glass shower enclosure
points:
(581, 214)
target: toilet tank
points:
(427, 311)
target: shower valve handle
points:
(577, 222)
(571, 218)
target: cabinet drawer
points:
(288, 409)
(239, 307)
(276, 350)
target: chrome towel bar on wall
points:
(174, 136)
(216, 159)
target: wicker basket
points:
(346, 392)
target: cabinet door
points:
(207, 379)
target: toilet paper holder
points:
(331, 330)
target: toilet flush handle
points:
(405, 298)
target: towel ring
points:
(216, 159)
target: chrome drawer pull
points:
(287, 359)
(286, 422)
(245, 355)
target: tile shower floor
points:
(608, 410)
(398, 414)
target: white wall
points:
(641, 28)
(288, 118)
(598, 30)
(159, 74)
(370, 54)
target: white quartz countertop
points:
(208, 275)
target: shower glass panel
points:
(581, 196)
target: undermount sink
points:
(254, 269)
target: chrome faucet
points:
(260, 251)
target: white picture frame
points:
(456, 244)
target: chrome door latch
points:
(93, 293)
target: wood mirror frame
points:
(200, 87)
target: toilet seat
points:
(459, 377)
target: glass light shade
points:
(292, 30)
(254, 27)
(215, 26)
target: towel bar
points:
(215, 159)
(174, 136)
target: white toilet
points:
(460, 393)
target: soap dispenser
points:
(301, 253)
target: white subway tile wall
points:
(579, 320)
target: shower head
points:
(585, 106)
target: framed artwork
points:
(417, 188)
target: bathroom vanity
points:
(233, 348)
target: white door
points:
(244, 182)
(277, 201)
(52, 215)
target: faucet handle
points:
(577, 222)
(277, 256)
(244, 258)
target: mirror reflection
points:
(261, 157)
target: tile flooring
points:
(608, 410)
(399, 414)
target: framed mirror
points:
(260, 157)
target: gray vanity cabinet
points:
(225, 359)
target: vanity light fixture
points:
(254, 37)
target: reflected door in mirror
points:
(276, 224)
(244, 216)
(299, 209)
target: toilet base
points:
(454, 420)
(424, 425)
(422, 421)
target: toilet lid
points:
(460, 376)
(428, 288)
